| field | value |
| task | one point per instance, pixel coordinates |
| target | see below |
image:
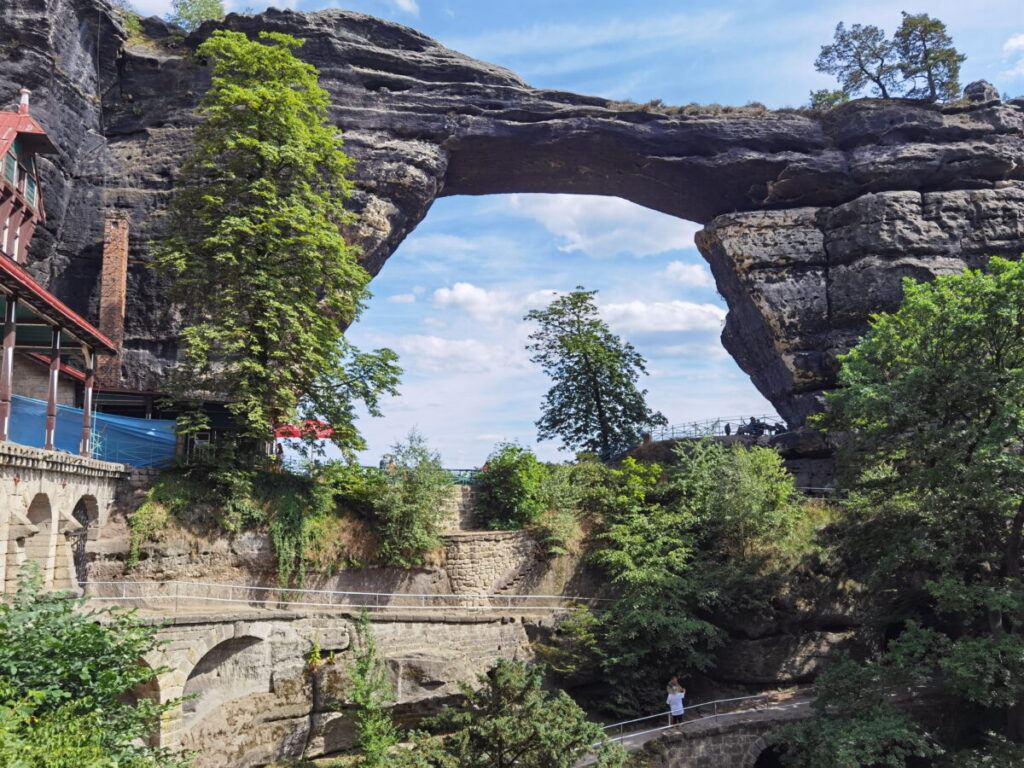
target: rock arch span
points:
(809, 220)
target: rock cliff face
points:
(809, 221)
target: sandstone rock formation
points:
(810, 220)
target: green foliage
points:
(572, 648)
(189, 14)
(371, 694)
(825, 99)
(298, 510)
(860, 57)
(856, 724)
(511, 721)
(920, 62)
(64, 679)
(683, 546)
(412, 507)
(511, 488)
(594, 404)
(932, 409)
(255, 229)
(928, 59)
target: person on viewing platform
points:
(675, 705)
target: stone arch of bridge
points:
(227, 671)
(40, 547)
(148, 690)
(764, 748)
(86, 513)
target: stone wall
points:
(459, 509)
(489, 562)
(50, 504)
(257, 699)
(32, 379)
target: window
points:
(5, 234)
(10, 167)
(30, 190)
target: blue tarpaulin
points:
(139, 442)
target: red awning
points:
(17, 281)
(310, 428)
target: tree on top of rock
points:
(859, 57)
(920, 62)
(189, 14)
(594, 404)
(928, 59)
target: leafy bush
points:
(65, 679)
(511, 720)
(412, 507)
(371, 694)
(511, 488)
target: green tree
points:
(189, 14)
(685, 546)
(510, 721)
(825, 99)
(594, 404)
(65, 679)
(255, 230)
(932, 405)
(928, 59)
(859, 57)
(371, 694)
(511, 488)
(412, 507)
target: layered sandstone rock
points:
(811, 221)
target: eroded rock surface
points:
(811, 221)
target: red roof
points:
(67, 370)
(13, 124)
(309, 429)
(19, 282)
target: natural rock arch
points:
(810, 220)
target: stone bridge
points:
(253, 694)
(741, 740)
(50, 504)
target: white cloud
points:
(664, 316)
(615, 33)
(688, 274)
(402, 298)
(437, 354)
(409, 6)
(605, 226)
(1014, 48)
(1015, 43)
(696, 351)
(488, 306)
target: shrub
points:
(413, 503)
(511, 488)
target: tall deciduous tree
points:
(860, 57)
(594, 404)
(255, 246)
(932, 400)
(928, 59)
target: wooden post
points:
(7, 366)
(51, 396)
(90, 380)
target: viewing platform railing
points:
(193, 596)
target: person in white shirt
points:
(675, 705)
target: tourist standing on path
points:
(675, 704)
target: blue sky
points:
(451, 299)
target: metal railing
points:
(177, 595)
(765, 424)
(716, 711)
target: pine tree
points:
(928, 59)
(860, 57)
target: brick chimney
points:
(113, 284)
